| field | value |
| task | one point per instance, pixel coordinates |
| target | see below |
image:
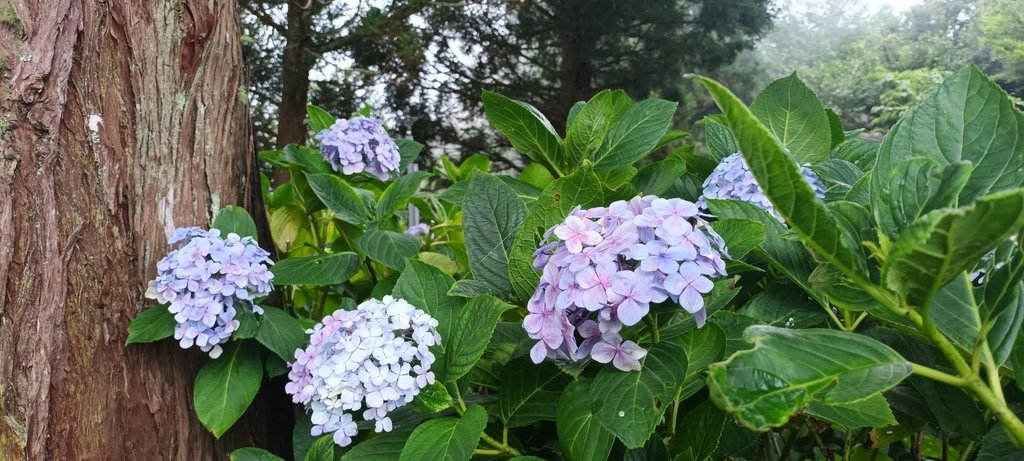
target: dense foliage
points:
(816, 305)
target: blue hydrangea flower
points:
(420, 230)
(206, 280)
(732, 180)
(375, 358)
(602, 268)
(359, 145)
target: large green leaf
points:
(253, 454)
(656, 178)
(529, 392)
(319, 119)
(408, 151)
(581, 188)
(740, 234)
(321, 450)
(968, 118)
(872, 411)
(784, 183)
(281, 333)
(947, 242)
(582, 437)
(234, 219)
(225, 387)
(389, 248)
(635, 134)
(795, 116)
(446, 439)
(382, 447)
(398, 193)
(699, 431)
(492, 213)
(591, 124)
(955, 312)
(781, 305)
(787, 370)
(997, 446)
(718, 137)
(426, 287)
(327, 269)
(630, 404)
(471, 330)
(530, 133)
(339, 197)
(150, 325)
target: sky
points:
(896, 5)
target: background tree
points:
(122, 120)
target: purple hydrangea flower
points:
(206, 280)
(375, 358)
(358, 145)
(602, 268)
(421, 230)
(732, 180)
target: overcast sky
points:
(895, 5)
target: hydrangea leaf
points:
(446, 439)
(944, 243)
(658, 177)
(322, 449)
(859, 151)
(795, 116)
(398, 193)
(339, 197)
(635, 134)
(591, 124)
(319, 119)
(328, 269)
(997, 446)
(718, 137)
(408, 151)
(253, 454)
(234, 219)
(529, 392)
(630, 404)
(839, 176)
(225, 387)
(835, 125)
(699, 431)
(536, 175)
(741, 235)
(784, 184)
(151, 325)
(470, 332)
(582, 437)
(492, 214)
(426, 287)
(872, 411)
(969, 118)
(389, 248)
(955, 312)
(381, 447)
(280, 333)
(529, 132)
(581, 188)
(781, 305)
(432, 399)
(787, 370)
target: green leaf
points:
(319, 119)
(470, 332)
(630, 404)
(150, 325)
(795, 116)
(432, 399)
(581, 188)
(321, 450)
(280, 333)
(787, 370)
(839, 177)
(968, 118)
(327, 269)
(225, 387)
(700, 431)
(389, 248)
(440, 261)
(656, 178)
(784, 184)
(529, 392)
(537, 175)
(582, 437)
(1006, 327)
(947, 242)
(285, 224)
(861, 152)
(446, 439)
(426, 287)
(634, 134)
(783, 306)
(253, 454)
(398, 193)
(247, 323)
(306, 160)
(703, 347)
(590, 126)
(408, 152)
(339, 197)
(740, 235)
(872, 411)
(382, 447)
(530, 133)
(997, 446)
(955, 312)
(234, 219)
(835, 126)
(719, 138)
(491, 216)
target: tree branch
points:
(266, 19)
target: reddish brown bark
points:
(84, 215)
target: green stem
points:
(992, 370)
(505, 449)
(937, 375)
(856, 322)
(1011, 423)
(458, 398)
(832, 315)
(484, 451)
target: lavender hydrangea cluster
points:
(374, 358)
(732, 180)
(358, 145)
(206, 280)
(419, 230)
(603, 267)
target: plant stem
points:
(458, 398)
(483, 451)
(832, 315)
(505, 449)
(937, 375)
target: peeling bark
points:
(125, 120)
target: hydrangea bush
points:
(783, 289)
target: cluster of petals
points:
(419, 230)
(732, 180)
(375, 358)
(602, 268)
(206, 281)
(359, 145)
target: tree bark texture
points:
(297, 61)
(122, 119)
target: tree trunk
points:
(123, 120)
(296, 63)
(576, 72)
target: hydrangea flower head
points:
(206, 280)
(419, 230)
(375, 358)
(602, 268)
(732, 180)
(359, 145)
